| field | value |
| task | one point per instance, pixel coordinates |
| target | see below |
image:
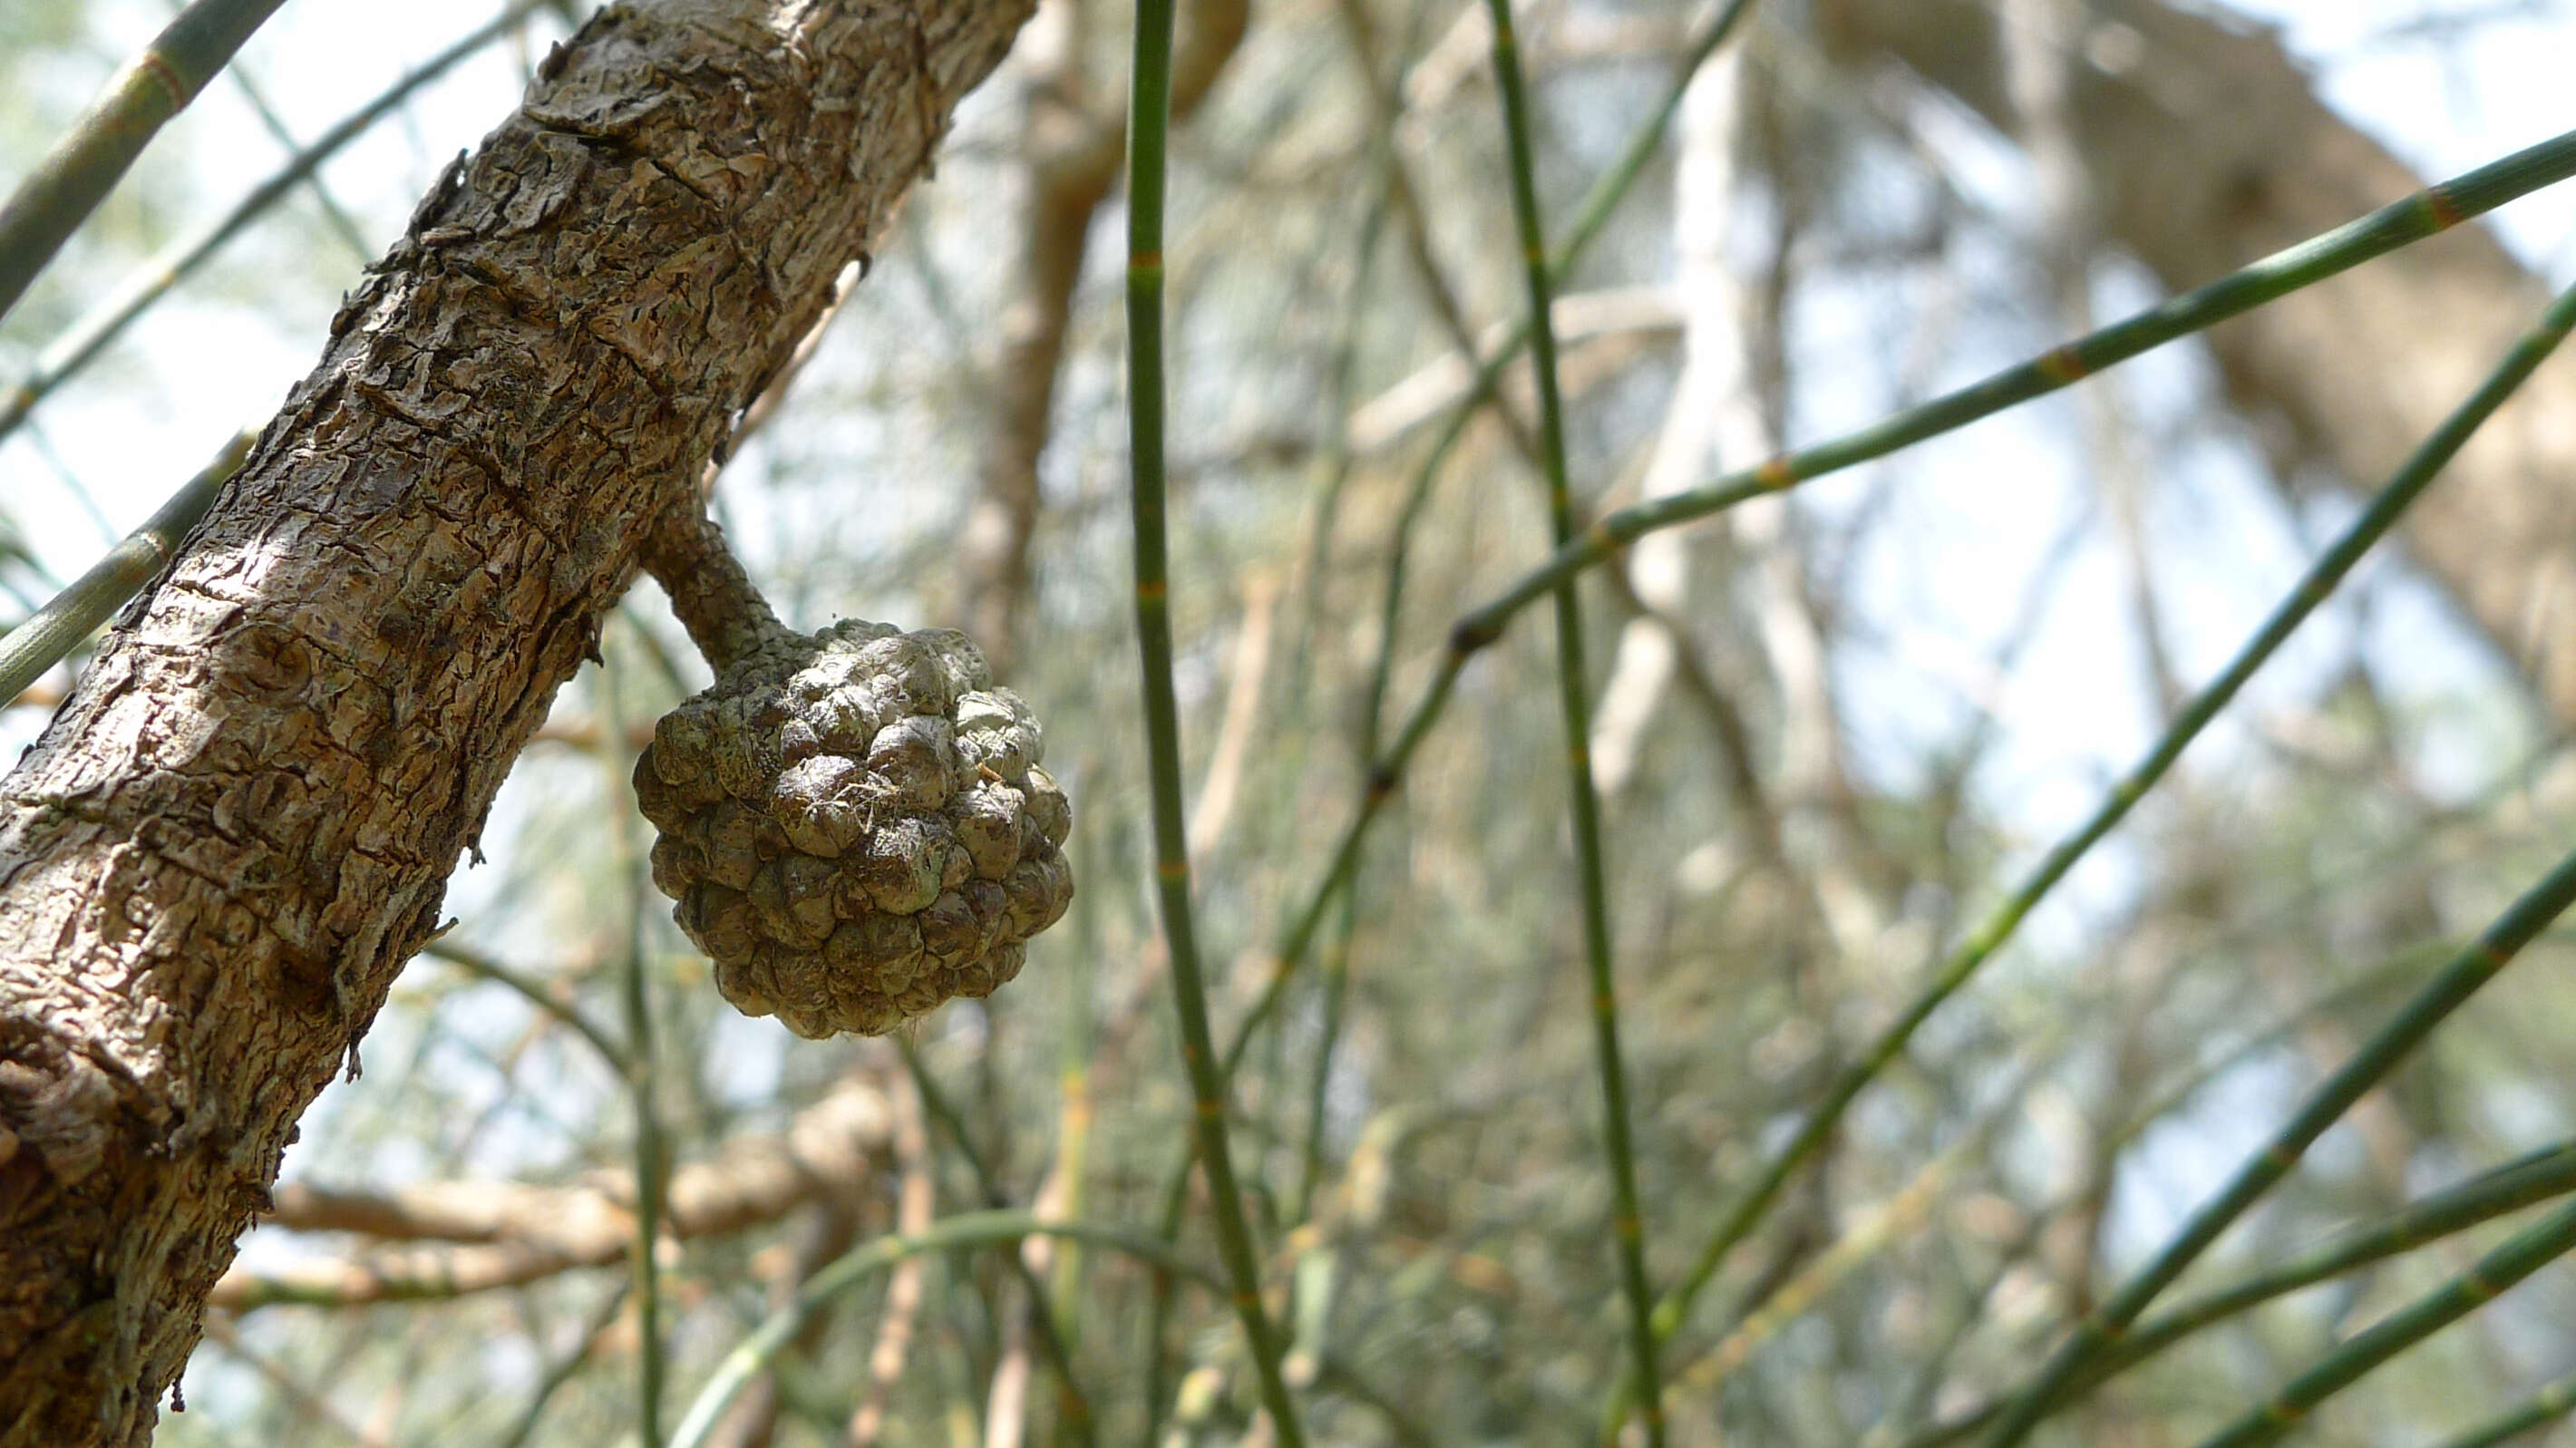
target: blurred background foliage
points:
(1876, 703)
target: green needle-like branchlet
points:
(753, 1355)
(643, 1073)
(2538, 1177)
(1149, 113)
(2466, 972)
(2434, 209)
(52, 632)
(89, 336)
(2521, 1255)
(1998, 927)
(76, 176)
(1627, 1230)
(1590, 216)
(2554, 1401)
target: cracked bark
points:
(2205, 147)
(220, 854)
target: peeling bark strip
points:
(218, 857)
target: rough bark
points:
(218, 857)
(2206, 147)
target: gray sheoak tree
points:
(233, 835)
(222, 851)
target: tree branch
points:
(218, 857)
(507, 1234)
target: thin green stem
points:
(649, 1158)
(1075, 1048)
(2434, 209)
(2555, 1401)
(2453, 984)
(969, 1229)
(84, 166)
(2524, 1182)
(1337, 979)
(2521, 1255)
(1595, 209)
(534, 992)
(334, 215)
(1149, 112)
(1076, 1404)
(2537, 1177)
(566, 1367)
(52, 632)
(1627, 1230)
(1591, 215)
(652, 1152)
(86, 338)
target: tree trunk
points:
(2206, 148)
(233, 835)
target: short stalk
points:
(716, 601)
